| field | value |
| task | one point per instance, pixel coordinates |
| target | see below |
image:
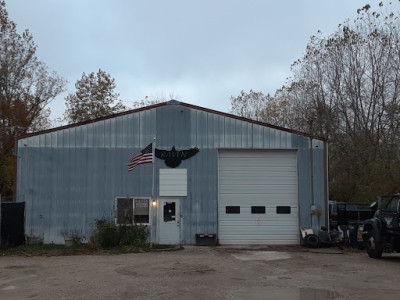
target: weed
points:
(107, 235)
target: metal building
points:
(246, 181)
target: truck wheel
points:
(311, 241)
(374, 249)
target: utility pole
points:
(0, 220)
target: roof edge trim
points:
(173, 102)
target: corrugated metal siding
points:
(71, 176)
(217, 131)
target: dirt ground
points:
(205, 273)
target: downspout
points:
(313, 208)
(312, 172)
(326, 181)
(315, 211)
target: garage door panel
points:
(257, 166)
(255, 199)
(269, 240)
(251, 225)
(266, 198)
(264, 179)
(273, 166)
(262, 156)
(227, 183)
(262, 238)
(273, 219)
(260, 189)
(246, 210)
(255, 239)
(265, 240)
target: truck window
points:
(392, 205)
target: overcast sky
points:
(203, 52)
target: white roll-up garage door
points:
(258, 197)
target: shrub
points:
(107, 234)
(76, 237)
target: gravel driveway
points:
(204, 273)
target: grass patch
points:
(161, 247)
(106, 238)
(44, 250)
(83, 249)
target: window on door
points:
(283, 210)
(232, 209)
(169, 212)
(258, 209)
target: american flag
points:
(143, 157)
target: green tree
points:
(26, 88)
(94, 98)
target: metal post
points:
(153, 209)
(0, 220)
(154, 162)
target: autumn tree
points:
(346, 89)
(278, 110)
(250, 105)
(351, 83)
(26, 88)
(155, 98)
(94, 98)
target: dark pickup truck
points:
(382, 232)
(341, 213)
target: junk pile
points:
(346, 236)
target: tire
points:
(311, 241)
(374, 249)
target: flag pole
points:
(153, 226)
(154, 162)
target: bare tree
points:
(250, 105)
(346, 89)
(282, 109)
(350, 82)
(155, 98)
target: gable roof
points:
(171, 102)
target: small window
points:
(124, 210)
(283, 209)
(141, 212)
(258, 209)
(232, 209)
(132, 211)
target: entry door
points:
(169, 221)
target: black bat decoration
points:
(173, 158)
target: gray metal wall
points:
(70, 177)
